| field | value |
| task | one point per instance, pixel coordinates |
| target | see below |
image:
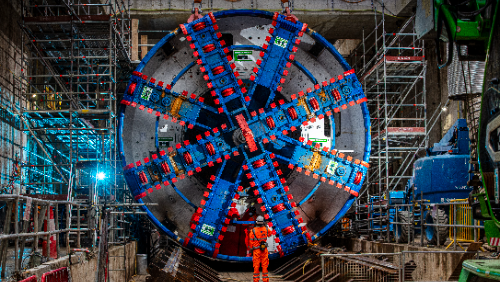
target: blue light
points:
(100, 175)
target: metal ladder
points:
(118, 235)
(79, 219)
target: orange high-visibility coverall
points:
(257, 234)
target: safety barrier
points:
(388, 267)
(372, 219)
(30, 279)
(58, 275)
(461, 214)
(357, 267)
(36, 222)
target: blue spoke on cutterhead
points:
(211, 219)
(213, 58)
(326, 98)
(159, 99)
(329, 166)
(276, 59)
(173, 164)
(268, 185)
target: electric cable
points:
(449, 2)
(450, 42)
(476, 12)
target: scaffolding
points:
(394, 82)
(59, 106)
(392, 68)
(77, 55)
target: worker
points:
(258, 245)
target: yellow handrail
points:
(463, 214)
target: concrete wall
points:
(83, 270)
(11, 139)
(437, 96)
(117, 262)
(305, 6)
(332, 19)
(433, 90)
(429, 266)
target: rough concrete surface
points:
(116, 262)
(245, 276)
(303, 5)
(332, 19)
(139, 278)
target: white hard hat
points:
(260, 219)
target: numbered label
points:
(280, 42)
(208, 229)
(146, 93)
(332, 165)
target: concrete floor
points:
(245, 276)
(139, 278)
(225, 276)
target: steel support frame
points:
(76, 81)
(24, 211)
(394, 80)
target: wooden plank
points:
(330, 277)
(402, 131)
(135, 40)
(144, 49)
(284, 266)
(371, 70)
(473, 247)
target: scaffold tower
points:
(392, 68)
(77, 53)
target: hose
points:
(449, 2)
(304, 267)
(450, 42)
(476, 12)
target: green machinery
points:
(475, 25)
(463, 22)
(470, 23)
(479, 269)
(464, 19)
(485, 202)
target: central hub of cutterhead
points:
(246, 132)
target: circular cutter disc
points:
(240, 114)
